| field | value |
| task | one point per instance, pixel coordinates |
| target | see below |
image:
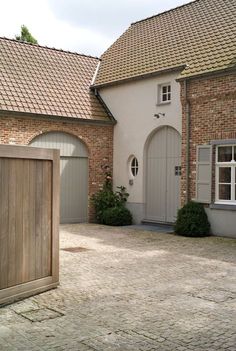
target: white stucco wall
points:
(222, 222)
(134, 105)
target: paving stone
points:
(41, 314)
(130, 290)
(215, 295)
(4, 331)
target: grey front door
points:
(74, 174)
(163, 175)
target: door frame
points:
(145, 163)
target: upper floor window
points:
(226, 174)
(164, 93)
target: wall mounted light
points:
(158, 115)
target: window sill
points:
(163, 103)
(229, 207)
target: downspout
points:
(187, 114)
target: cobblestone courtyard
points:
(126, 289)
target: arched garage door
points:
(74, 174)
(163, 175)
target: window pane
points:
(134, 171)
(224, 192)
(234, 153)
(168, 88)
(134, 166)
(225, 175)
(164, 90)
(164, 98)
(224, 153)
(169, 96)
(134, 162)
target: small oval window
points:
(134, 166)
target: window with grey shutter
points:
(204, 173)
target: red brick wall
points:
(98, 138)
(212, 117)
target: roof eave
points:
(141, 76)
(206, 73)
(57, 118)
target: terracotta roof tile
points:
(41, 80)
(200, 35)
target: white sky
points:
(84, 26)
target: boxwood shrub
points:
(192, 220)
(117, 216)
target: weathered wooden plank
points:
(12, 223)
(46, 219)
(19, 239)
(55, 215)
(38, 218)
(24, 223)
(26, 289)
(31, 220)
(25, 152)
(4, 209)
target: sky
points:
(84, 26)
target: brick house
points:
(45, 101)
(170, 82)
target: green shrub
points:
(106, 198)
(103, 200)
(117, 216)
(122, 195)
(192, 220)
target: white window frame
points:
(160, 100)
(135, 167)
(231, 164)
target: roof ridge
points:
(49, 48)
(166, 11)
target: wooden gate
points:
(29, 221)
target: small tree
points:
(26, 36)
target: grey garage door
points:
(74, 174)
(163, 175)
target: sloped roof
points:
(200, 35)
(47, 81)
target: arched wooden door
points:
(74, 174)
(163, 175)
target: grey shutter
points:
(204, 173)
